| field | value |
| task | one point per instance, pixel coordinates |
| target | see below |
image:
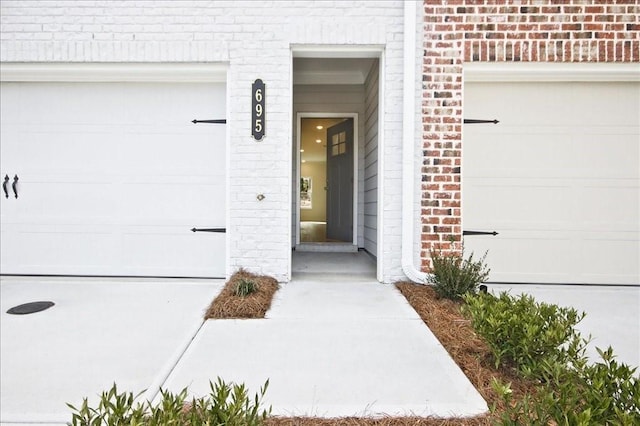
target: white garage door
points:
(111, 178)
(558, 178)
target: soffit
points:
(331, 70)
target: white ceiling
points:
(331, 70)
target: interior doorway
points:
(327, 175)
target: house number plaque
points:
(258, 110)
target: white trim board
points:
(336, 51)
(558, 72)
(113, 72)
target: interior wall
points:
(331, 98)
(370, 198)
(317, 171)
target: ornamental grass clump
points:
(227, 404)
(453, 275)
(245, 287)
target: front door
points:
(340, 182)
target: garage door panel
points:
(169, 202)
(59, 199)
(541, 203)
(553, 155)
(494, 154)
(612, 155)
(509, 257)
(106, 103)
(43, 250)
(34, 149)
(190, 152)
(609, 104)
(558, 178)
(604, 207)
(568, 204)
(501, 101)
(180, 257)
(554, 104)
(115, 155)
(596, 251)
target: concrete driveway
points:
(130, 332)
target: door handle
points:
(4, 186)
(14, 185)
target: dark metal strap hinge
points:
(221, 121)
(474, 121)
(494, 233)
(220, 230)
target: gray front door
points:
(340, 181)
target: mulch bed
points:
(363, 421)
(255, 305)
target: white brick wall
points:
(255, 39)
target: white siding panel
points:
(371, 162)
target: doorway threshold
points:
(327, 247)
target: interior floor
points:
(313, 232)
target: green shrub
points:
(540, 341)
(227, 404)
(454, 276)
(524, 334)
(245, 287)
(605, 393)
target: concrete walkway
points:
(333, 346)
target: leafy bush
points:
(540, 341)
(454, 276)
(605, 393)
(245, 287)
(227, 404)
(525, 334)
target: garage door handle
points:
(14, 185)
(4, 186)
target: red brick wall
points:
(459, 31)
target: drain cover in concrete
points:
(30, 308)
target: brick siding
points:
(462, 31)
